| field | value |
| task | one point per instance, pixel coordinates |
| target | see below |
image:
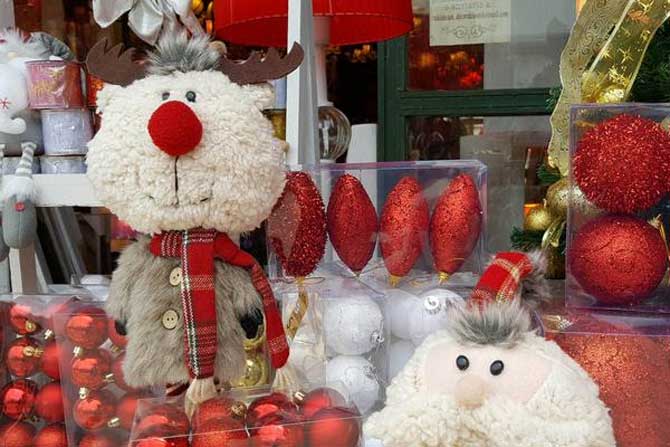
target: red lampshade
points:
(264, 22)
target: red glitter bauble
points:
(620, 260)
(98, 440)
(318, 399)
(297, 226)
(118, 340)
(18, 398)
(335, 427)
(51, 436)
(52, 354)
(455, 225)
(125, 410)
(179, 441)
(622, 164)
(95, 411)
(163, 420)
(117, 372)
(217, 408)
(23, 357)
(632, 374)
(90, 370)
(278, 431)
(49, 403)
(271, 405)
(87, 328)
(404, 226)
(226, 432)
(22, 320)
(352, 223)
(16, 434)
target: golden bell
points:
(538, 219)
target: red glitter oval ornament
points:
(95, 411)
(619, 260)
(455, 225)
(297, 226)
(218, 408)
(18, 398)
(51, 436)
(87, 328)
(23, 357)
(16, 434)
(404, 227)
(622, 164)
(225, 432)
(49, 403)
(352, 223)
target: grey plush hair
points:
(177, 52)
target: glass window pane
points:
(492, 44)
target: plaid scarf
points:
(198, 249)
(502, 279)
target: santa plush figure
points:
(490, 380)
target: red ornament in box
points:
(280, 430)
(225, 432)
(87, 328)
(455, 225)
(275, 404)
(49, 403)
(53, 352)
(22, 320)
(16, 434)
(218, 408)
(352, 223)
(23, 357)
(318, 399)
(125, 410)
(95, 411)
(91, 369)
(179, 441)
(98, 440)
(117, 372)
(163, 420)
(334, 427)
(118, 340)
(404, 227)
(53, 324)
(621, 165)
(297, 226)
(51, 436)
(18, 398)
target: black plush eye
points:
(166, 96)
(462, 362)
(497, 368)
(191, 96)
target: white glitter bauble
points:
(399, 354)
(429, 314)
(356, 379)
(353, 325)
(398, 304)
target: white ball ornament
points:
(356, 379)
(429, 313)
(398, 304)
(400, 352)
(353, 325)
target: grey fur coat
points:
(143, 299)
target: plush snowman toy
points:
(489, 380)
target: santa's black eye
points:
(497, 368)
(191, 96)
(166, 96)
(462, 362)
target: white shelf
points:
(54, 190)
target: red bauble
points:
(16, 434)
(225, 432)
(125, 410)
(620, 260)
(95, 411)
(352, 223)
(404, 226)
(334, 427)
(179, 441)
(52, 354)
(118, 340)
(318, 399)
(455, 225)
(87, 327)
(49, 403)
(90, 370)
(117, 372)
(56, 317)
(51, 436)
(275, 404)
(163, 420)
(23, 357)
(217, 408)
(621, 165)
(98, 440)
(18, 398)
(22, 320)
(278, 431)
(297, 226)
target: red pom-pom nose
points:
(175, 128)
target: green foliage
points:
(552, 100)
(526, 240)
(547, 175)
(652, 83)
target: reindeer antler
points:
(256, 70)
(114, 65)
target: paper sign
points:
(467, 22)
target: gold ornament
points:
(581, 206)
(198, 6)
(538, 219)
(256, 371)
(558, 196)
(254, 344)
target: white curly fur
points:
(15, 45)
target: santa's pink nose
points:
(471, 392)
(175, 128)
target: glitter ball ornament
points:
(318, 399)
(621, 165)
(49, 403)
(403, 227)
(353, 325)
(18, 398)
(91, 369)
(23, 357)
(335, 427)
(428, 313)
(118, 340)
(619, 260)
(538, 219)
(400, 352)
(163, 420)
(95, 411)
(397, 308)
(87, 328)
(455, 225)
(98, 440)
(224, 432)
(125, 409)
(218, 408)
(280, 430)
(297, 226)
(352, 223)
(16, 434)
(51, 436)
(22, 320)
(271, 405)
(356, 379)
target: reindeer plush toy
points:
(186, 156)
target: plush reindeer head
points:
(183, 141)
